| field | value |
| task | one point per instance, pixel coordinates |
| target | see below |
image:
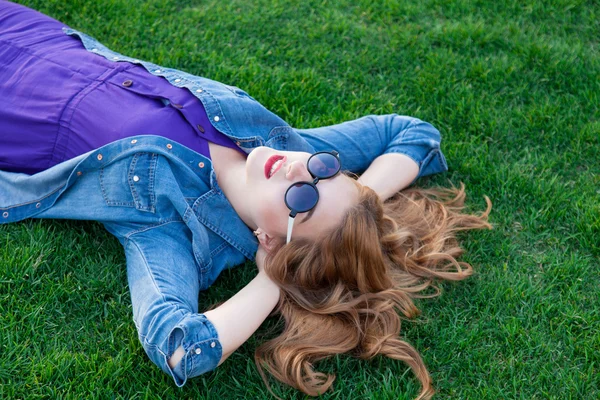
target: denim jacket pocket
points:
(129, 182)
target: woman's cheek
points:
(273, 215)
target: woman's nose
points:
(298, 172)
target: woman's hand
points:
(261, 255)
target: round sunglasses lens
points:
(301, 197)
(323, 165)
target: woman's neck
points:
(230, 168)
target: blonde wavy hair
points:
(345, 292)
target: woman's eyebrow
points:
(310, 214)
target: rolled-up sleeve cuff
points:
(202, 348)
(421, 142)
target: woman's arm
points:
(240, 316)
(390, 173)
(375, 144)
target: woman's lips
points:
(270, 161)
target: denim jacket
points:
(163, 202)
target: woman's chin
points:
(255, 163)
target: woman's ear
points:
(266, 241)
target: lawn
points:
(513, 87)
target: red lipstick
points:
(270, 161)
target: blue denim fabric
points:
(164, 204)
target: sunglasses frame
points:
(313, 184)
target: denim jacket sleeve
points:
(360, 141)
(164, 283)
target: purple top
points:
(64, 101)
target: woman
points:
(193, 176)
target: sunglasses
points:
(301, 197)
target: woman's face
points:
(266, 193)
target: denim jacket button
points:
(216, 118)
(201, 164)
(169, 146)
(99, 157)
(213, 344)
(136, 178)
(198, 90)
(157, 71)
(177, 80)
(5, 214)
(134, 141)
(198, 350)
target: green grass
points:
(514, 88)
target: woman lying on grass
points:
(193, 176)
